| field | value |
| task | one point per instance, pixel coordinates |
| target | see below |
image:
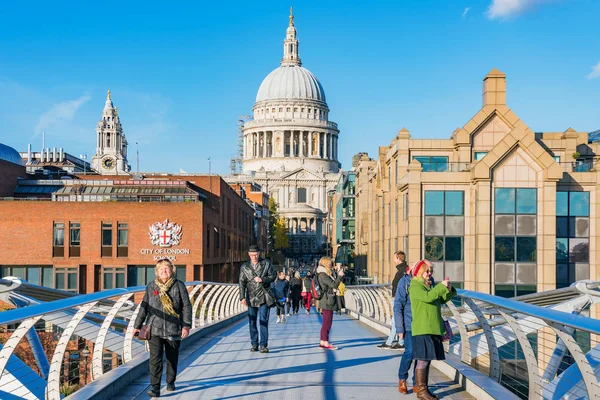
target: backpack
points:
(315, 289)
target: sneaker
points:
(396, 346)
(264, 350)
(278, 321)
(171, 387)
(288, 315)
(254, 349)
(153, 393)
(383, 346)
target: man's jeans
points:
(407, 357)
(392, 338)
(262, 315)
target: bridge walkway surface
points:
(220, 366)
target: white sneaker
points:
(278, 321)
(288, 315)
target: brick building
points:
(86, 235)
(259, 201)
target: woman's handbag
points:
(448, 335)
(145, 332)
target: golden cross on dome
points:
(109, 94)
(291, 16)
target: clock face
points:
(108, 163)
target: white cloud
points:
(504, 9)
(59, 113)
(464, 14)
(595, 72)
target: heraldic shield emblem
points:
(165, 234)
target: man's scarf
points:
(164, 297)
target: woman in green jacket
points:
(427, 324)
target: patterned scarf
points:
(164, 297)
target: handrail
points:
(522, 346)
(88, 325)
(19, 314)
(574, 321)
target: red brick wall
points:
(27, 233)
(9, 173)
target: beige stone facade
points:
(497, 207)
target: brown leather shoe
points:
(402, 386)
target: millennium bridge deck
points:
(220, 366)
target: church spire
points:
(109, 104)
(290, 44)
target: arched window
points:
(301, 195)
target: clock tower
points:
(111, 144)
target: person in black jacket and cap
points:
(392, 342)
(256, 277)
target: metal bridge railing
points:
(550, 352)
(85, 336)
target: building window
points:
(113, 277)
(479, 155)
(556, 158)
(74, 239)
(58, 241)
(66, 278)
(301, 195)
(107, 239)
(35, 275)
(405, 206)
(515, 241)
(122, 239)
(433, 163)
(444, 233)
(572, 237)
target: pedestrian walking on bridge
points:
(256, 277)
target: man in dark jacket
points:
(256, 277)
(392, 342)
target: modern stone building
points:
(497, 207)
(291, 148)
(344, 215)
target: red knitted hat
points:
(416, 269)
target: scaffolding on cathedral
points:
(235, 163)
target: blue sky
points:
(182, 73)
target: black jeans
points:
(295, 304)
(280, 308)
(158, 346)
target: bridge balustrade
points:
(95, 330)
(536, 352)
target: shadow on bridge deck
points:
(221, 367)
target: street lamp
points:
(85, 353)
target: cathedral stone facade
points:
(111, 144)
(291, 148)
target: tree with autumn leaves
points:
(277, 229)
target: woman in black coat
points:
(328, 300)
(167, 307)
(295, 291)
